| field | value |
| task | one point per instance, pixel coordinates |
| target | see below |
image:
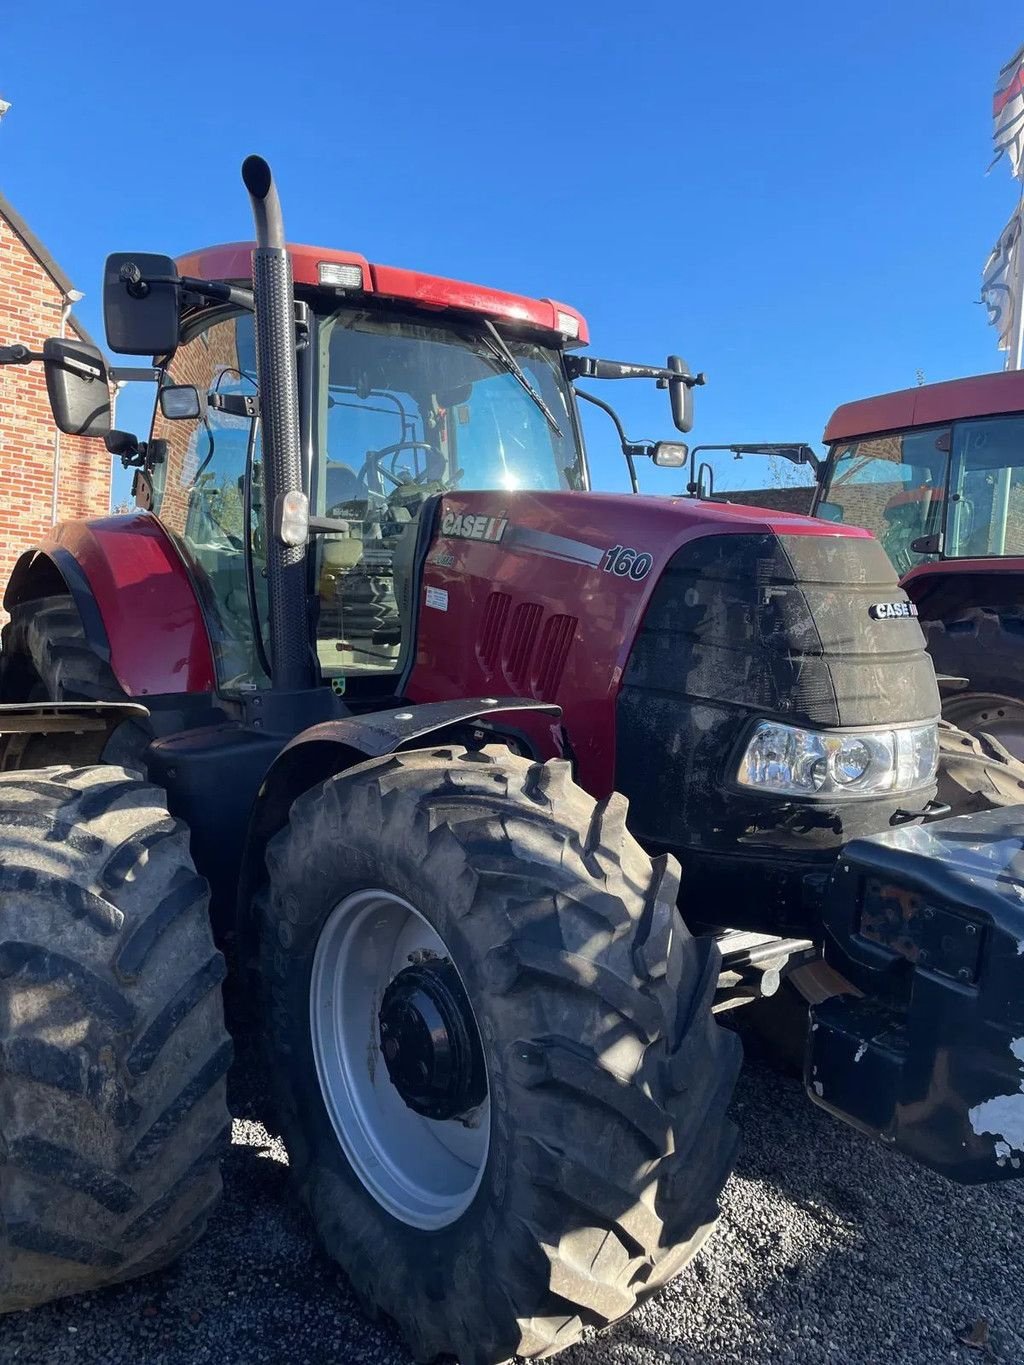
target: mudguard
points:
(929, 923)
(943, 589)
(134, 594)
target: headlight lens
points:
(796, 762)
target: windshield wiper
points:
(495, 343)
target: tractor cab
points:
(936, 473)
(410, 387)
(397, 409)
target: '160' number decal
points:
(626, 563)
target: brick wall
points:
(201, 362)
(791, 499)
(30, 307)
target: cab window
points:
(986, 512)
(199, 492)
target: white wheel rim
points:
(425, 1172)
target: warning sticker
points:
(437, 597)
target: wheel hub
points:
(429, 1041)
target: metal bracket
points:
(753, 966)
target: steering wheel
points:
(375, 457)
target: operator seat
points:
(342, 485)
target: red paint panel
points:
(982, 395)
(158, 638)
(509, 602)
(233, 261)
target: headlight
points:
(796, 762)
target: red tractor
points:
(435, 723)
(937, 473)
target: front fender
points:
(946, 588)
(335, 745)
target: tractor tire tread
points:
(617, 1165)
(91, 1056)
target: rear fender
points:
(134, 594)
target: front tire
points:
(605, 1077)
(976, 772)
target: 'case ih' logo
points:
(891, 611)
(464, 526)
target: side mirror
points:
(680, 394)
(140, 303)
(670, 454)
(123, 443)
(830, 511)
(77, 386)
(180, 402)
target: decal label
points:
(437, 598)
(891, 611)
(624, 562)
(467, 526)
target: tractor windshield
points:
(409, 408)
(893, 485)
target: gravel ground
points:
(829, 1250)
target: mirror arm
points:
(590, 367)
(18, 355)
(629, 448)
(138, 286)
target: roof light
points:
(340, 276)
(567, 324)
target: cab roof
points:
(233, 261)
(980, 395)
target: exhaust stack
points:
(290, 655)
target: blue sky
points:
(792, 196)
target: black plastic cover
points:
(929, 923)
(746, 627)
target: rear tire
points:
(112, 1045)
(607, 1079)
(46, 656)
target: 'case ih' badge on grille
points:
(891, 611)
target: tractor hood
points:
(666, 629)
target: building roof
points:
(42, 255)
